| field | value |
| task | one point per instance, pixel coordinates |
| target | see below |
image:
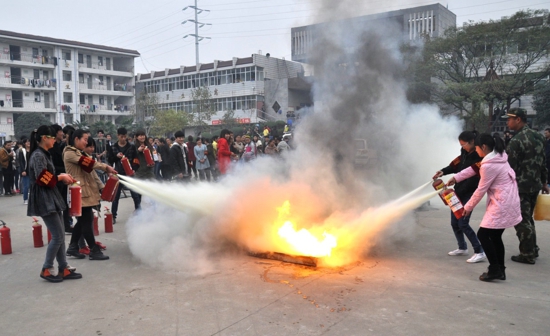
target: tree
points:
(81, 125)
(107, 127)
(541, 103)
(229, 119)
(147, 107)
(170, 121)
(28, 122)
(203, 106)
(486, 62)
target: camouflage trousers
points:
(525, 230)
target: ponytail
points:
(34, 143)
(499, 144)
(37, 134)
(493, 142)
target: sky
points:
(238, 28)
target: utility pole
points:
(197, 26)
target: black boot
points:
(73, 251)
(493, 272)
(503, 269)
(96, 254)
(68, 273)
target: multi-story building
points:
(65, 81)
(255, 88)
(413, 22)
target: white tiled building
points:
(256, 88)
(65, 81)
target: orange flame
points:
(303, 242)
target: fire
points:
(303, 242)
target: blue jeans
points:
(462, 227)
(157, 170)
(25, 187)
(56, 247)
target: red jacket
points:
(224, 156)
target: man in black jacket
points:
(178, 157)
(121, 149)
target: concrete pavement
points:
(411, 288)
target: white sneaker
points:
(26, 202)
(458, 252)
(477, 257)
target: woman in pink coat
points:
(498, 180)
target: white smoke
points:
(359, 92)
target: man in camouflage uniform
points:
(527, 157)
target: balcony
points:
(106, 69)
(27, 60)
(102, 89)
(28, 106)
(22, 83)
(105, 110)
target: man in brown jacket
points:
(6, 160)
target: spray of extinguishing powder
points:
(201, 218)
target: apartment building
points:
(65, 81)
(255, 88)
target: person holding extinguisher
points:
(498, 180)
(80, 165)
(46, 201)
(464, 190)
(145, 171)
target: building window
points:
(82, 99)
(100, 80)
(37, 96)
(67, 97)
(67, 76)
(66, 55)
(101, 100)
(100, 60)
(80, 58)
(36, 74)
(34, 52)
(45, 75)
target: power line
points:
(136, 29)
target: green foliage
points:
(169, 121)
(229, 119)
(81, 125)
(459, 65)
(106, 126)
(28, 122)
(203, 107)
(541, 103)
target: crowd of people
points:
(42, 166)
(511, 171)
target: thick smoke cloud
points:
(359, 93)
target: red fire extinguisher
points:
(148, 157)
(109, 192)
(96, 225)
(126, 165)
(453, 202)
(74, 200)
(5, 239)
(439, 185)
(37, 233)
(108, 221)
